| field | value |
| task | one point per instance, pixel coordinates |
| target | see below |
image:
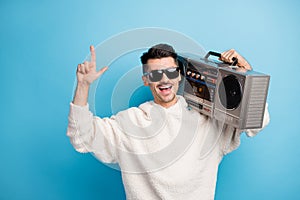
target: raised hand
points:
(87, 72)
(228, 56)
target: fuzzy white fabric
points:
(149, 169)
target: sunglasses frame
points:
(163, 71)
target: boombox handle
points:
(213, 53)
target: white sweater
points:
(171, 153)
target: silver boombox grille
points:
(224, 92)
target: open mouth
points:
(164, 88)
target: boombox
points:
(223, 91)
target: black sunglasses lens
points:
(172, 73)
(155, 75)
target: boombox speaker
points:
(223, 91)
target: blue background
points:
(43, 41)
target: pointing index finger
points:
(93, 54)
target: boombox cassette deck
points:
(222, 91)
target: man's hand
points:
(86, 75)
(228, 56)
(87, 72)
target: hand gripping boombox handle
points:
(213, 53)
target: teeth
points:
(165, 87)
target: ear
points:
(145, 80)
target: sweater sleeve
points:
(230, 139)
(92, 134)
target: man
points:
(164, 149)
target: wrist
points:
(81, 94)
(83, 84)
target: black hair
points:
(158, 51)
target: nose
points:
(164, 78)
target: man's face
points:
(164, 91)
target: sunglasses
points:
(156, 75)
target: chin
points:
(170, 99)
(167, 99)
